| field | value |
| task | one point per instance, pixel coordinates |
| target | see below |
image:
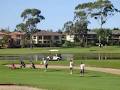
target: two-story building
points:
(16, 39)
(115, 37)
(2, 35)
(92, 38)
(46, 38)
(70, 38)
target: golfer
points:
(71, 66)
(22, 63)
(82, 69)
(45, 61)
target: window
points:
(40, 41)
(18, 41)
(18, 36)
(56, 37)
(40, 37)
(57, 41)
(47, 37)
(48, 41)
(34, 37)
(44, 41)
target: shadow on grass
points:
(94, 76)
(54, 70)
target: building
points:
(46, 38)
(16, 39)
(2, 35)
(115, 37)
(70, 38)
(92, 37)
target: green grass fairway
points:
(57, 79)
(109, 49)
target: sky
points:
(56, 13)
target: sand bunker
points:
(14, 87)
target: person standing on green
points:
(82, 69)
(71, 66)
(45, 61)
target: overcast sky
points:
(56, 13)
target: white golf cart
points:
(55, 57)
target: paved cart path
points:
(106, 70)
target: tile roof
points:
(2, 33)
(46, 33)
(17, 33)
(116, 32)
(91, 32)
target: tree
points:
(77, 28)
(108, 34)
(100, 10)
(115, 28)
(81, 24)
(5, 40)
(105, 35)
(5, 30)
(32, 17)
(60, 31)
(23, 28)
(68, 27)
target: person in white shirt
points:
(71, 66)
(45, 62)
(82, 69)
(48, 57)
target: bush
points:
(68, 44)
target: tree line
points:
(100, 10)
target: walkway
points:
(106, 70)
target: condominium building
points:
(46, 38)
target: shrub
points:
(68, 44)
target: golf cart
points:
(55, 57)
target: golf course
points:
(60, 78)
(60, 45)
